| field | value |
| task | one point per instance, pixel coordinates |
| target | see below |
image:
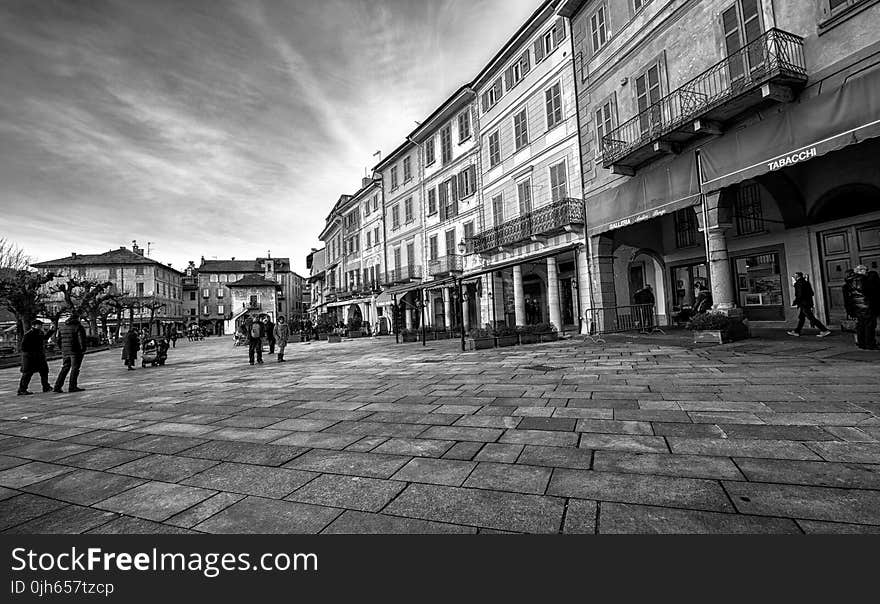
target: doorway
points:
(842, 249)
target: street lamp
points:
(420, 304)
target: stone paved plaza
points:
(639, 435)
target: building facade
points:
(317, 265)
(727, 144)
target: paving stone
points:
(46, 450)
(303, 425)
(352, 492)
(127, 525)
(540, 437)
(687, 466)
(773, 449)
(257, 454)
(506, 477)
(578, 413)
(319, 440)
(607, 426)
(548, 423)
(362, 523)
(368, 443)
(388, 429)
(816, 527)
(255, 515)
(248, 421)
(104, 438)
(70, 520)
(370, 465)
(848, 451)
(463, 433)
(489, 509)
(84, 487)
(820, 419)
(177, 429)
(687, 430)
(156, 501)
(434, 418)
(580, 517)
(794, 433)
(812, 473)
(809, 503)
(623, 442)
(636, 488)
(165, 468)
(22, 508)
(248, 479)
(248, 435)
(558, 457)
(848, 433)
(10, 462)
(724, 418)
(463, 450)
(647, 415)
(642, 519)
(489, 421)
(204, 510)
(168, 445)
(499, 452)
(450, 472)
(534, 411)
(101, 458)
(418, 447)
(30, 473)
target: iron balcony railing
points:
(445, 265)
(542, 221)
(775, 55)
(403, 273)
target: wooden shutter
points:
(453, 210)
(498, 90)
(558, 31)
(508, 78)
(525, 64)
(497, 210)
(472, 171)
(462, 193)
(539, 50)
(732, 42)
(444, 195)
(486, 104)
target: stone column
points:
(553, 293)
(583, 284)
(408, 317)
(465, 311)
(447, 309)
(718, 215)
(429, 316)
(601, 295)
(519, 304)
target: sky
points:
(216, 128)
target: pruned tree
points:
(22, 290)
(152, 305)
(13, 257)
(83, 297)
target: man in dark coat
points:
(33, 358)
(130, 347)
(72, 341)
(857, 299)
(803, 301)
(254, 330)
(269, 328)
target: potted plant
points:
(527, 334)
(479, 338)
(546, 332)
(410, 335)
(506, 336)
(718, 328)
(354, 327)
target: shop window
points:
(688, 281)
(748, 210)
(760, 285)
(685, 228)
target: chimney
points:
(366, 182)
(233, 257)
(73, 255)
(203, 259)
(135, 248)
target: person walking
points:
(72, 341)
(803, 301)
(173, 337)
(33, 358)
(860, 301)
(255, 331)
(130, 347)
(270, 334)
(281, 333)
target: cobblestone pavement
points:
(638, 435)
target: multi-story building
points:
(334, 255)
(365, 262)
(317, 265)
(448, 145)
(133, 274)
(531, 240)
(400, 175)
(216, 308)
(190, 286)
(728, 143)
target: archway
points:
(355, 317)
(535, 299)
(845, 201)
(646, 268)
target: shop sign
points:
(790, 160)
(634, 219)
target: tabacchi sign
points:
(794, 158)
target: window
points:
(376, 235)
(464, 125)
(648, 95)
(520, 129)
(516, 72)
(221, 291)
(432, 201)
(411, 254)
(637, 4)
(492, 96)
(494, 149)
(553, 97)
(206, 293)
(393, 178)
(111, 274)
(446, 144)
(192, 312)
(375, 202)
(432, 247)
(524, 192)
(469, 235)
(366, 208)
(369, 236)
(395, 216)
(558, 182)
(429, 151)
(407, 169)
(685, 227)
(598, 28)
(742, 26)
(497, 210)
(747, 210)
(224, 278)
(448, 193)
(205, 310)
(833, 8)
(408, 210)
(213, 278)
(137, 271)
(549, 41)
(467, 179)
(220, 309)
(192, 295)
(606, 116)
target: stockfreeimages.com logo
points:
(209, 564)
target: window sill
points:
(432, 213)
(844, 15)
(464, 140)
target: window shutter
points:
(525, 62)
(498, 90)
(443, 200)
(508, 78)
(559, 31)
(485, 101)
(539, 50)
(472, 170)
(461, 185)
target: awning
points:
(652, 192)
(799, 132)
(385, 298)
(317, 277)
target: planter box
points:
(479, 343)
(549, 336)
(716, 336)
(355, 334)
(507, 340)
(334, 338)
(410, 337)
(529, 338)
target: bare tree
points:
(83, 297)
(152, 305)
(21, 290)
(12, 257)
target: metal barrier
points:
(619, 319)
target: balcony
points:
(252, 305)
(403, 274)
(557, 217)
(769, 70)
(445, 265)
